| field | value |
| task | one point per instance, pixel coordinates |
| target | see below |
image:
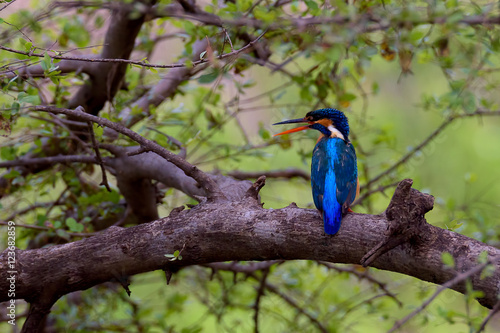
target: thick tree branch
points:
(243, 230)
(212, 189)
(107, 77)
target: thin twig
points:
(426, 141)
(364, 276)
(28, 209)
(49, 160)
(37, 227)
(459, 278)
(260, 293)
(250, 270)
(138, 63)
(7, 5)
(381, 188)
(98, 156)
(229, 40)
(490, 315)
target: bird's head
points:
(330, 122)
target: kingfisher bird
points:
(334, 170)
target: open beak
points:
(293, 121)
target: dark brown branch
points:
(49, 160)
(260, 293)
(361, 23)
(212, 189)
(287, 173)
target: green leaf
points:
(482, 257)
(23, 97)
(63, 234)
(46, 62)
(311, 4)
(14, 108)
(455, 17)
(264, 133)
(73, 225)
(469, 102)
(448, 259)
(208, 78)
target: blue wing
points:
(334, 180)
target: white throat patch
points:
(335, 132)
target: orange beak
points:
(297, 129)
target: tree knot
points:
(405, 214)
(253, 191)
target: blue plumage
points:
(334, 177)
(334, 171)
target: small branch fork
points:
(212, 189)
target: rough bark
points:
(242, 230)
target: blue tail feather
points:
(332, 210)
(332, 215)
